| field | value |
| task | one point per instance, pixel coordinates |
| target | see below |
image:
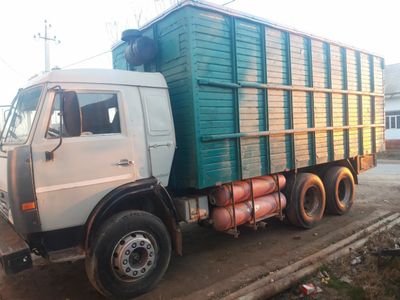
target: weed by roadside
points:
(365, 274)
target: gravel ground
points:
(214, 262)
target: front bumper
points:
(15, 255)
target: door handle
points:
(168, 144)
(124, 163)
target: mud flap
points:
(15, 255)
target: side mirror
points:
(71, 113)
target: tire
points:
(306, 201)
(340, 190)
(116, 270)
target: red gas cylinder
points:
(263, 185)
(221, 196)
(222, 217)
(266, 185)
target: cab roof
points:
(102, 76)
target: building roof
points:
(392, 79)
(102, 76)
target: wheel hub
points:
(134, 256)
(311, 201)
(343, 191)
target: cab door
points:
(95, 156)
(160, 131)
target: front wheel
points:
(129, 254)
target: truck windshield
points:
(22, 114)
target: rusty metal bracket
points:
(253, 209)
(280, 215)
(233, 231)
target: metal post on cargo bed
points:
(280, 216)
(253, 209)
(233, 231)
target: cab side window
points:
(99, 114)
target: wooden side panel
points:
(365, 73)
(379, 119)
(300, 61)
(366, 120)
(172, 36)
(319, 59)
(118, 58)
(252, 110)
(278, 101)
(216, 106)
(277, 63)
(217, 66)
(337, 68)
(321, 120)
(339, 120)
(352, 78)
(378, 75)
(379, 103)
(279, 118)
(353, 120)
(302, 112)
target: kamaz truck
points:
(209, 116)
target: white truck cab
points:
(75, 142)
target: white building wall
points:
(392, 104)
(392, 134)
(392, 110)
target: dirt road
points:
(213, 261)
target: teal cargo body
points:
(251, 98)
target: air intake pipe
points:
(141, 49)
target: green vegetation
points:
(354, 292)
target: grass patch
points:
(354, 292)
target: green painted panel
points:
(216, 63)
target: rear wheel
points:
(340, 190)
(129, 255)
(306, 200)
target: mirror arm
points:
(6, 120)
(50, 154)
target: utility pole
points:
(46, 39)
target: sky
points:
(89, 29)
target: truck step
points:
(69, 254)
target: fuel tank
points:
(222, 217)
(264, 185)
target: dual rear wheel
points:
(308, 196)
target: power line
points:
(229, 2)
(86, 59)
(10, 67)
